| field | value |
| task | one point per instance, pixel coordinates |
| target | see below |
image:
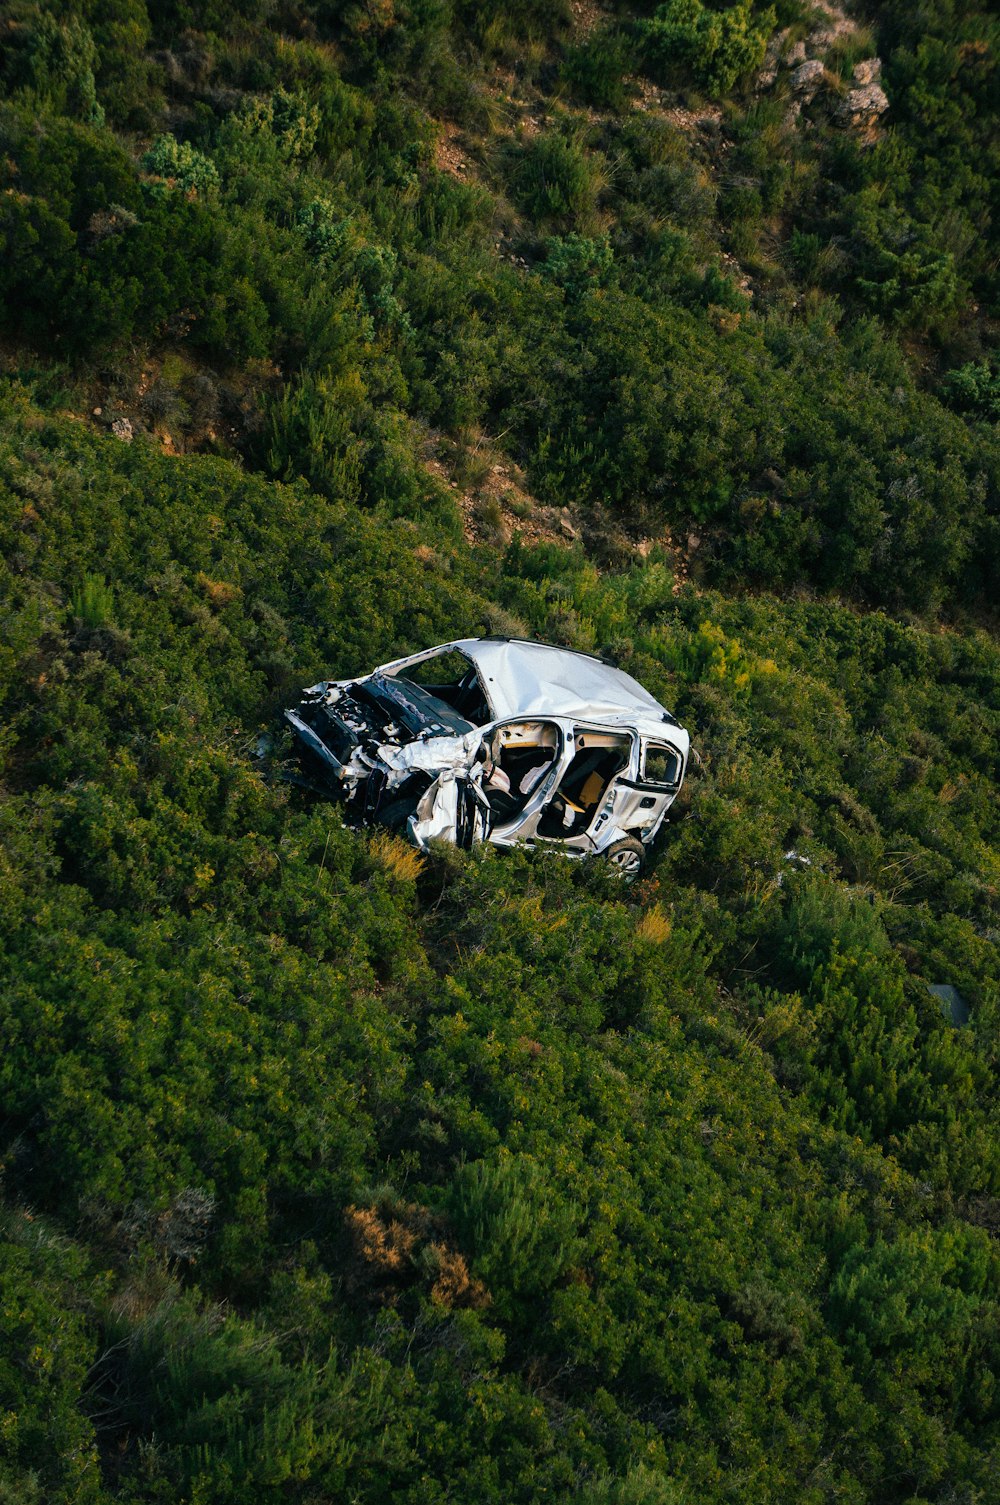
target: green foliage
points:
(176, 164)
(327, 233)
(905, 275)
(668, 1143)
(640, 1486)
(287, 116)
(48, 1449)
(595, 69)
(51, 62)
(523, 1236)
(576, 263)
(718, 46)
(316, 422)
(974, 388)
(92, 601)
(555, 180)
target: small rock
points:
(122, 429)
(868, 71)
(693, 542)
(863, 106)
(772, 57)
(97, 412)
(566, 527)
(808, 76)
(796, 54)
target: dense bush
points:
(297, 222)
(718, 46)
(595, 69)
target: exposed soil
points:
(449, 154)
(587, 16)
(498, 506)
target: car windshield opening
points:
(452, 678)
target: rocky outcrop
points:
(862, 107)
(865, 102)
(807, 77)
(868, 71)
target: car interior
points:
(519, 756)
(599, 757)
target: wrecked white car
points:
(497, 739)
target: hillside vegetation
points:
(333, 1171)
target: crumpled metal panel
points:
(430, 754)
(535, 679)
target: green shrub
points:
(53, 62)
(327, 233)
(575, 263)
(717, 46)
(556, 181)
(595, 70)
(176, 164)
(313, 432)
(974, 388)
(289, 117)
(521, 1232)
(46, 1353)
(92, 602)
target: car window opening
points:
(661, 765)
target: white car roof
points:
(536, 679)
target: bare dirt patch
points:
(496, 504)
(587, 17)
(652, 99)
(497, 507)
(449, 153)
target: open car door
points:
(641, 804)
(452, 808)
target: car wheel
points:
(627, 856)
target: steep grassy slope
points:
(334, 1172)
(581, 1186)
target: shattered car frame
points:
(497, 739)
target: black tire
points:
(627, 856)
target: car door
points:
(640, 804)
